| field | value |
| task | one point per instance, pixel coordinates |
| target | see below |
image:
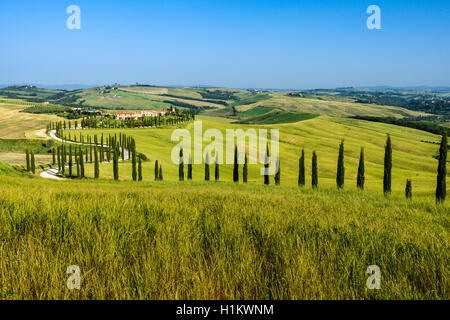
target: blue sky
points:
(246, 43)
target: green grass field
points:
(168, 240)
(224, 240)
(412, 159)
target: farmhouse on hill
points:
(135, 115)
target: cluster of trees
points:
(96, 122)
(415, 123)
(158, 172)
(425, 104)
(93, 149)
(68, 157)
(218, 95)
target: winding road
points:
(53, 173)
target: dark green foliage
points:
(216, 169)
(116, 163)
(207, 167)
(27, 155)
(416, 123)
(59, 158)
(78, 164)
(314, 175)
(63, 159)
(189, 174)
(133, 159)
(70, 161)
(160, 176)
(408, 189)
(266, 166)
(181, 166)
(140, 169)
(278, 172)
(156, 171)
(441, 187)
(81, 163)
(236, 165)
(361, 175)
(96, 164)
(301, 170)
(387, 178)
(340, 168)
(33, 163)
(245, 169)
(53, 156)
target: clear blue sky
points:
(244, 43)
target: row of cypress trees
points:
(30, 161)
(387, 174)
(95, 122)
(118, 146)
(216, 168)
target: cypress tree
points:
(387, 166)
(207, 167)
(33, 163)
(116, 163)
(189, 174)
(266, 166)
(140, 168)
(27, 156)
(81, 163)
(216, 169)
(123, 149)
(278, 173)
(301, 169)
(441, 187)
(133, 159)
(63, 159)
(96, 164)
(408, 189)
(245, 169)
(156, 171)
(314, 176)
(102, 159)
(361, 175)
(160, 174)
(181, 166)
(70, 161)
(59, 159)
(236, 166)
(78, 164)
(53, 156)
(340, 168)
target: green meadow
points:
(412, 158)
(224, 240)
(192, 240)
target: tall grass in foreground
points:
(161, 240)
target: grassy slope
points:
(411, 157)
(18, 125)
(164, 240)
(10, 171)
(330, 107)
(197, 240)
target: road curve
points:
(53, 173)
